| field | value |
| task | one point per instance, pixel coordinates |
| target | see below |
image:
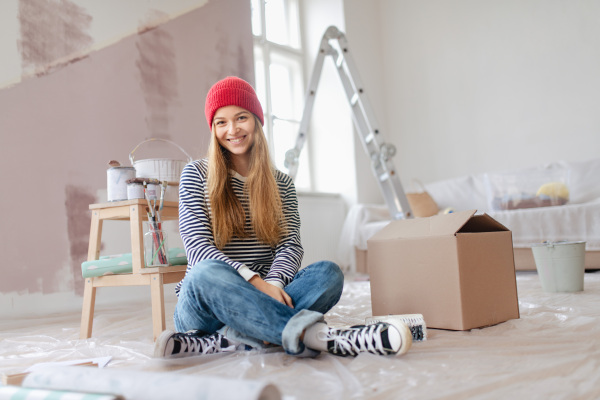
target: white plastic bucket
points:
(560, 265)
(116, 182)
(163, 169)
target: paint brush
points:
(163, 189)
(150, 208)
(151, 204)
(160, 252)
(147, 197)
(157, 238)
(155, 227)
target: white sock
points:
(314, 336)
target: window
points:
(278, 61)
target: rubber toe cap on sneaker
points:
(160, 347)
(400, 337)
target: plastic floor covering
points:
(551, 352)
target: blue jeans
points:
(215, 297)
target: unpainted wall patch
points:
(77, 201)
(224, 55)
(245, 65)
(52, 33)
(157, 67)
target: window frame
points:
(296, 55)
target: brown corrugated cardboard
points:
(456, 269)
(360, 258)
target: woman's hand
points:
(271, 290)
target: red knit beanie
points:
(232, 91)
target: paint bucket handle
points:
(163, 140)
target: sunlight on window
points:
(279, 78)
(256, 20)
(285, 90)
(284, 138)
(280, 93)
(259, 73)
(282, 21)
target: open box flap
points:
(482, 223)
(438, 225)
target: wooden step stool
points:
(155, 277)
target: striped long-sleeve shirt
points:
(247, 255)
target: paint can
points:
(135, 188)
(153, 190)
(116, 182)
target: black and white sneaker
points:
(191, 343)
(379, 338)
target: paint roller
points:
(415, 322)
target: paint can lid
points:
(140, 181)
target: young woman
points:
(238, 218)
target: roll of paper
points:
(149, 385)
(17, 392)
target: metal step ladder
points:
(379, 152)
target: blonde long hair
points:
(228, 218)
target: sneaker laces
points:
(356, 339)
(203, 345)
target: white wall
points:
(470, 86)
(364, 40)
(322, 217)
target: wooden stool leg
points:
(136, 215)
(95, 237)
(157, 292)
(87, 310)
(89, 291)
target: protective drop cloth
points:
(552, 351)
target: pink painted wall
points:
(59, 129)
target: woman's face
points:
(234, 127)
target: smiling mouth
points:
(236, 140)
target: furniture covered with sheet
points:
(577, 220)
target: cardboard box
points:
(456, 269)
(360, 257)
